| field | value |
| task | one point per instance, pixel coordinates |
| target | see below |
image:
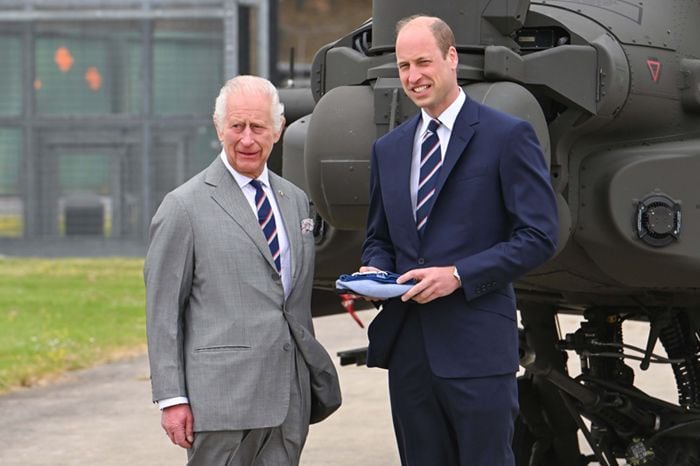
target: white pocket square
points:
(307, 225)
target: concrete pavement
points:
(103, 416)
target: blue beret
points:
(373, 284)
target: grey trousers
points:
(274, 446)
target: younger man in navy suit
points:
(461, 202)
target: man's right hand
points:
(364, 269)
(178, 421)
(368, 268)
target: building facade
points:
(105, 106)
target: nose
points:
(247, 136)
(413, 75)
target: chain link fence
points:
(105, 106)
(101, 116)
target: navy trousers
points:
(448, 421)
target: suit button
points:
(421, 261)
(287, 346)
(275, 277)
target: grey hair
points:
(247, 83)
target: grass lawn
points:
(62, 314)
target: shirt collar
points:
(448, 117)
(243, 180)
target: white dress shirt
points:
(444, 131)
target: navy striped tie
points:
(430, 163)
(267, 222)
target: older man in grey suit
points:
(228, 276)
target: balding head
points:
(444, 37)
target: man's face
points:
(247, 132)
(428, 78)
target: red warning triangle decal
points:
(654, 66)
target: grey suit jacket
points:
(217, 318)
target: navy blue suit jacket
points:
(494, 217)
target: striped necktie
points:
(267, 222)
(430, 163)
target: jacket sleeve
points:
(530, 205)
(168, 274)
(377, 250)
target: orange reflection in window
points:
(37, 84)
(63, 58)
(93, 78)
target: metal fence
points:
(104, 107)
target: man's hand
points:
(368, 268)
(433, 283)
(364, 269)
(177, 421)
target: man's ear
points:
(279, 132)
(453, 57)
(219, 132)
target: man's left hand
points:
(433, 283)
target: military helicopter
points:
(612, 88)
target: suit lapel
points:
(399, 169)
(229, 196)
(291, 223)
(462, 133)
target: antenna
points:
(290, 78)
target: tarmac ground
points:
(104, 416)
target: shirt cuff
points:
(168, 402)
(455, 273)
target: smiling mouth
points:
(419, 89)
